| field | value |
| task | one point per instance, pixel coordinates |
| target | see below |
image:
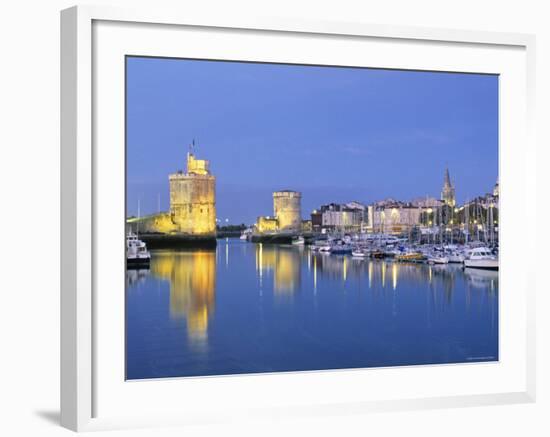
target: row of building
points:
(392, 216)
(388, 216)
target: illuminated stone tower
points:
(287, 209)
(193, 198)
(448, 191)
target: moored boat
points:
(437, 258)
(137, 255)
(411, 257)
(320, 246)
(378, 254)
(359, 253)
(481, 258)
(455, 257)
(339, 247)
(246, 234)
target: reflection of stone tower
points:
(193, 198)
(287, 210)
(448, 192)
(192, 277)
(285, 263)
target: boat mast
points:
(467, 220)
(139, 215)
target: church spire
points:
(447, 182)
(448, 191)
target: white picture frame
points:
(82, 314)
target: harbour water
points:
(251, 308)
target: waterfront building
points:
(395, 217)
(349, 217)
(448, 191)
(267, 224)
(192, 204)
(307, 226)
(427, 202)
(316, 220)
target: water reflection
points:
(379, 272)
(284, 262)
(482, 279)
(256, 308)
(192, 277)
(134, 277)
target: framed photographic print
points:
(277, 218)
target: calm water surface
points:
(249, 308)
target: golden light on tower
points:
(192, 204)
(193, 198)
(192, 277)
(287, 209)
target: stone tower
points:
(193, 198)
(448, 191)
(287, 209)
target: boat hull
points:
(481, 264)
(137, 263)
(340, 251)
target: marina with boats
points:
(378, 246)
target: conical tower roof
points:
(447, 181)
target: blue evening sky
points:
(335, 134)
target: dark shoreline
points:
(174, 241)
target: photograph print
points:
(288, 218)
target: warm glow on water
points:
(248, 308)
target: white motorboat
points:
(298, 241)
(359, 253)
(321, 246)
(137, 255)
(438, 258)
(246, 234)
(481, 258)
